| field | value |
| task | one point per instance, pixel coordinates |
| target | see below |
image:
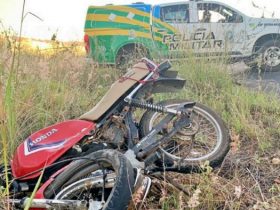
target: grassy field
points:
(39, 87)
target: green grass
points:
(49, 88)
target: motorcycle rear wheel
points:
(205, 139)
(104, 179)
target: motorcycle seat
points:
(138, 72)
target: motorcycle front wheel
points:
(206, 138)
(103, 179)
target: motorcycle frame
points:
(145, 149)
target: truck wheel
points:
(129, 55)
(270, 54)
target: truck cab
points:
(205, 27)
(174, 30)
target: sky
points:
(66, 17)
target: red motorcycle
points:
(98, 160)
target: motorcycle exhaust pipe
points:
(50, 203)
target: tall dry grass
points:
(50, 87)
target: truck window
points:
(175, 14)
(215, 13)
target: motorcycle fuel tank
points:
(47, 145)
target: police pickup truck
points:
(116, 33)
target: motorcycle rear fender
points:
(45, 146)
(169, 74)
(164, 85)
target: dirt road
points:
(265, 81)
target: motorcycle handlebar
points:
(162, 67)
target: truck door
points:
(169, 24)
(218, 30)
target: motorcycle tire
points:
(71, 179)
(188, 155)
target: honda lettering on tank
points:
(38, 144)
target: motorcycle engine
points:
(114, 134)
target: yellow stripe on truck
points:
(118, 19)
(166, 25)
(115, 32)
(124, 9)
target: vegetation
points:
(39, 87)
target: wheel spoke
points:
(103, 187)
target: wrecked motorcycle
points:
(98, 160)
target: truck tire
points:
(128, 55)
(270, 54)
